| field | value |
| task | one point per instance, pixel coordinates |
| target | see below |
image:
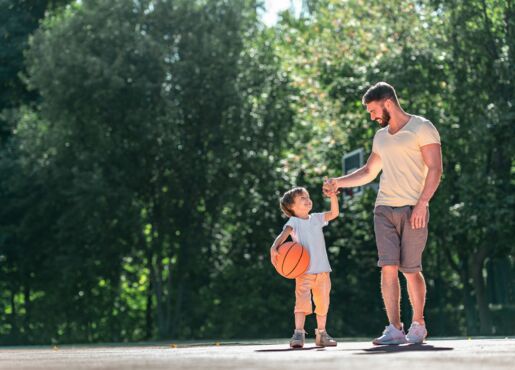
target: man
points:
(407, 149)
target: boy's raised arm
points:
(334, 211)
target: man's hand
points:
(418, 218)
(330, 187)
(273, 255)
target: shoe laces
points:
(298, 334)
(327, 336)
(387, 329)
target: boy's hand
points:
(329, 192)
(273, 255)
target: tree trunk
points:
(157, 272)
(148, 309)
(461, 267)
(169, 296)
(28, 311)
(468, 302)
(14, 324)
(439, 286)
(176, 327)
(485, 318)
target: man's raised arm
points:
(361, 176)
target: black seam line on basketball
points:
(286, 255)
(301, 253)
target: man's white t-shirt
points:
(309, 233)
(404, 171)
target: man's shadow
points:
(402, 348)
(376, 350)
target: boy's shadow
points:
(290, 349)
(402, 348)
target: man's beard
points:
(385, 119)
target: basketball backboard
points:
(351, 162)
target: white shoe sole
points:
(326, 345)
(416, 342)
(390, 342)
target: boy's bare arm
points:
(278, 241)
(334, 211)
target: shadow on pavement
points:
(402, 348)
(289, 349)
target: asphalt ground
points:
(435, 354)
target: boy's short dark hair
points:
(288, 199)
(380, 91)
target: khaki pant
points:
(320, 286)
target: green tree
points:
(480, 151)
(440, 67)
(18, 19)
(154, 119)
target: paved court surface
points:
(437, 354)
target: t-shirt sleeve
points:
(427, 134)
(374, 145)
(290, 223)
(318, 220)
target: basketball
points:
(293, 260)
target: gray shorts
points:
(397, 243)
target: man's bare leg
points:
(390, 289)
(417, 294)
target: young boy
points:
(306, 229)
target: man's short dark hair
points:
(380, 91)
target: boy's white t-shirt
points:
(309, 234)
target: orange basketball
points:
(293, 260)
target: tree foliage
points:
(149, 143)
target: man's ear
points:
(388, 104)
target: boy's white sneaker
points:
(391, 335)
(416, 333)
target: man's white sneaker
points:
(416, 333)
(391, 335)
